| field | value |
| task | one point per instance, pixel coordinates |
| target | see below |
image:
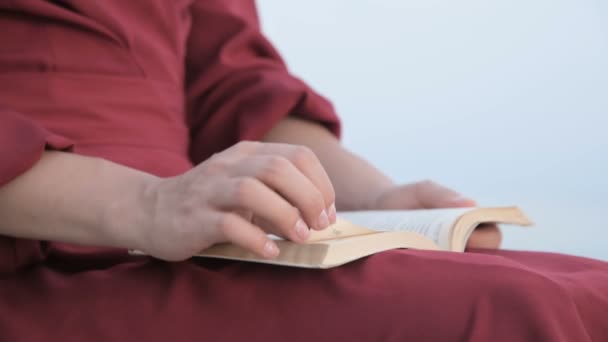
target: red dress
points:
(160, 85)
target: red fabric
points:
(393, 296)
(21, 144)
(238, 86)
(160, 85)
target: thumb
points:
(429, 194)
(456, 202)
(422, 195)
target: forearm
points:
(71, 198)
(354, 190)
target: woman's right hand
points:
(239, 195)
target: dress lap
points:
(393, 296)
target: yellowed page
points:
(435, 224)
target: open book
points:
(363, 233)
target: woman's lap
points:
(393, 296)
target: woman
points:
(119, 127)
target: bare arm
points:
(355, 189)
(71, 198)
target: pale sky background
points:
(505, 101)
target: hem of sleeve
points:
(305, 104)
(22, 143)
(247, 107)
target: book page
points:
(435, 224)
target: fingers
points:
(303, 159)
(487, 236)
(247, 193)
(422, 195)
(283, 185)
(279, 174)
(432, 195)
(307, 162)
(239, 231)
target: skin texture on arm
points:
(83, 200)
(355, 189)
(66, 197)
(76, 199)
(360, 186)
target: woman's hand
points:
(427, 195)
(238, 196)
(354, 178)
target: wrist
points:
(125, 217)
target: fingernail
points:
(332, 213)
(302, 229)
(270, 249)
(323, 220)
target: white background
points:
(506, 101)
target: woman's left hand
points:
(428, 195)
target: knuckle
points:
(426, 183)
(276, 166)
(242, 144)
(224, 223)
(246, 146)
(313, 203)
(216, 165)
(303, 155)
(244, 188)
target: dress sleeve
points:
(238, 87)
(22, 142)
